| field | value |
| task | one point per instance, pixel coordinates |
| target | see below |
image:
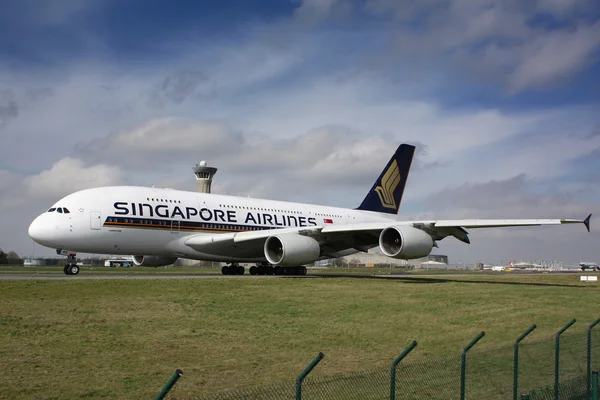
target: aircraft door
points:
(175, 226)
(95, 220)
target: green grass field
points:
(124, 338)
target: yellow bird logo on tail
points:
(389, 183)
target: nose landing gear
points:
(71, 268)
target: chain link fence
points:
(489, 373)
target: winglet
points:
(586, 222)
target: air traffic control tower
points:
(204, 176)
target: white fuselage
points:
(133, 220)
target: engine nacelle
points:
(405, 242)
(153, 261)
(291, 250)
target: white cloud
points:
(560, 7)
(69, 175)
(555, 56)
(43, 13)
(65, 176)
(495, 39)
(166, 136)
(311, 12)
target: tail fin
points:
(386, 194)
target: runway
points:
(60, 276)
(25, 277)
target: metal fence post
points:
(169, 385)
(516, 361)
(595, 383)
(589, 357)
(557, 356)
(463, 366)
(395, 363)
(304, 373)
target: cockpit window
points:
(60, 210)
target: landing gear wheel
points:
(67, 269)
(290, 271)
(74, 269)
(253, 270)
(233, 270)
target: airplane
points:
(589, 265)
(160, 225)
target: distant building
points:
(40, 262)
(33, 262)
(374, 258)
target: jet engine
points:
(153, 261)
(405, 242)
(291, 250)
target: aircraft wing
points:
(441, 228)
(497, 223)
(363, 236)
(457, 223)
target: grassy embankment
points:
(124, 338)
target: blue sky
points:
(499, 96)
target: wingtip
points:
(586, 222)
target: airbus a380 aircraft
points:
(160, 225)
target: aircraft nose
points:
(41, 231)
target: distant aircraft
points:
(160, 225)
(589, 265)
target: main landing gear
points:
(296, 271)
(263, 269)
(71, 268)
(233, 269)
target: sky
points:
(306, 100)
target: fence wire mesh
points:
(368, 385)
(276, 391)
(489, 375)
(414, 379)
(595, 349)
(536, 366)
